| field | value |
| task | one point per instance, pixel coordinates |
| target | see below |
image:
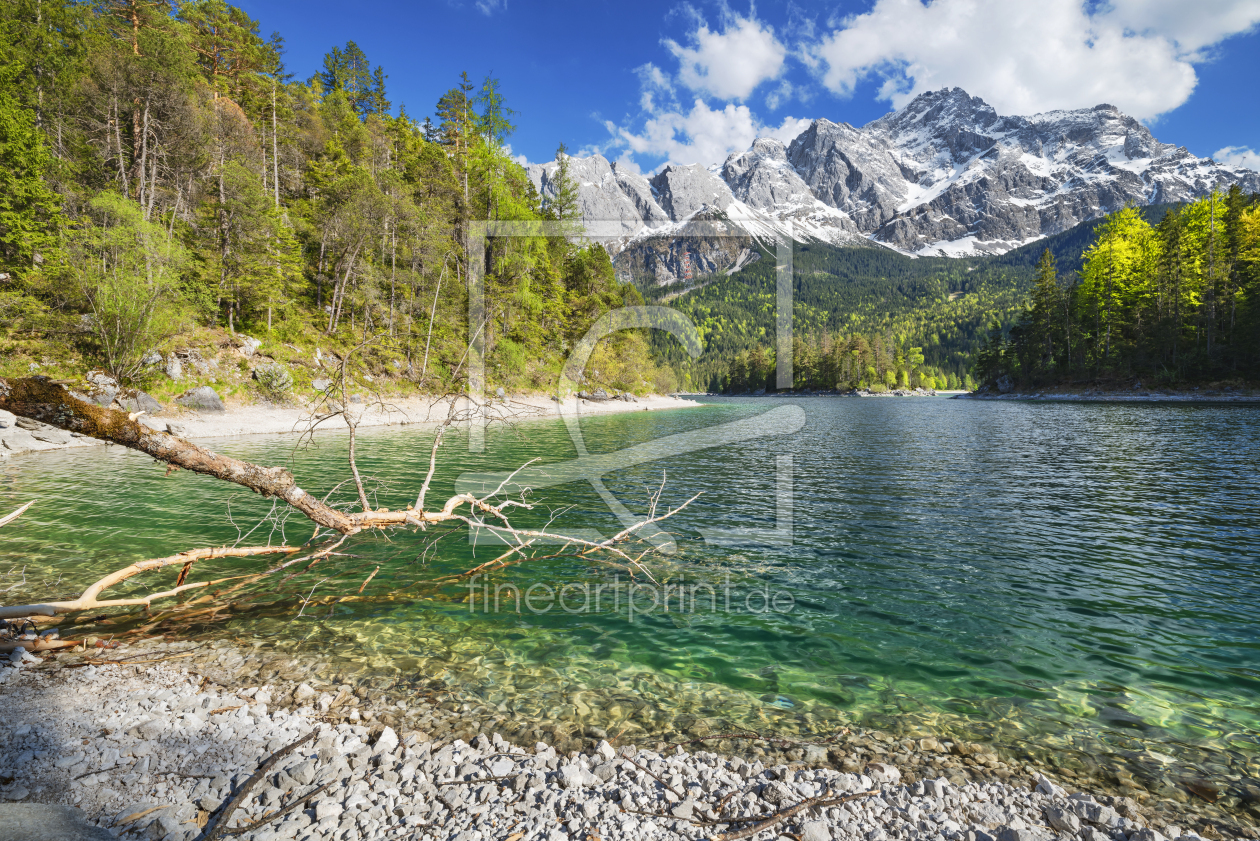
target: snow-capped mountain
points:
(944, 175)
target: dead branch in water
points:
(44, 400)
(8, 518)
(90, 600)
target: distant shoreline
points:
(1100, 396)
(263, 419)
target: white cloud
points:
(1238, 156)
(726, 65)
(729, 64)
(1193, 26)
(654, 86)
(520, 159)
(702, 135)
(489, 7)
(788, 130)
(1026, 56)
(783, 92)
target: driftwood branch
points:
(792, 811)
(44, 400)
(90, 599)
(48, 402)
(216, 827)
(8, 518)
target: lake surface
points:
(1073, 583)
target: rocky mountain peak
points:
(681, 191)
(769, 147)
(945, 174)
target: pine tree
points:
(1045, 307)
(350, 72)
(496, 125)
(563, 202)
(29, 210)
(380, 105)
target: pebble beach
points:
(156, 739)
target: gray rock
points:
(1010, 833)
(46, 822)
(883, 773)
(202, 398)
(174, 368)
(1146, 834)
(177, 429)
(51, 435)
(387, 741)
(152, 728)
(1047, 786)
(575, 776)
(815, 755)
(987, 815)
(1093, 812)
(815, 831)
(321, 384)
(1063, 820)
(100, 379)
(140, 402)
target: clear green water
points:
(1076, 583)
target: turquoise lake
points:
(1074, 580)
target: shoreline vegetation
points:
(174, 729)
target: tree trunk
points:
(46, 401)
(275, 159)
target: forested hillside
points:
(871, 317)
(940, 305)
(167, 186)
(1174, 302)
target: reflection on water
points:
(1071, 582)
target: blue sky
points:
(653, 82)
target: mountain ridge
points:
(946, 175)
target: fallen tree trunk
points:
(43, 400)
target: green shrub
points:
(274, 381)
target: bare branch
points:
(8, 518)
(90, 598)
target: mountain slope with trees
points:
(167, 185)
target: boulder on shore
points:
(140, 402)
(203, 399)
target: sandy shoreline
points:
(19, 436)
(149, 740)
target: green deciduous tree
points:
(128, 271)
